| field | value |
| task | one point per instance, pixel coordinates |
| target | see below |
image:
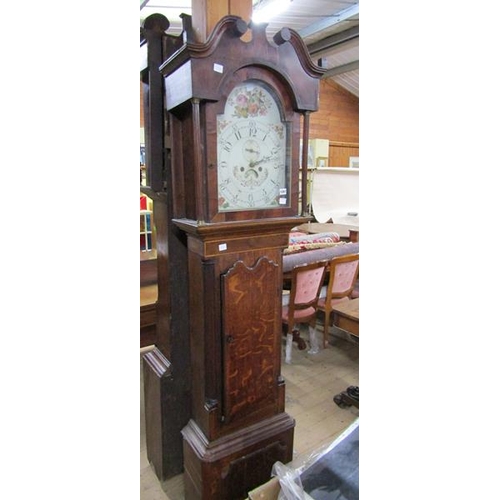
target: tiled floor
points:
(311, 383)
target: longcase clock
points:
(236, 111)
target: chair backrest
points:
(344, 272)
(306, 284)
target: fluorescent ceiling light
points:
(265, 10)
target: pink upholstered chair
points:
(343, 275)
(306, 282)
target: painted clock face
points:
(252, 162)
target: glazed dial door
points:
(252, 159)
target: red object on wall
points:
(144, 203)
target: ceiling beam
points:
(329, 21)
(333, 41)
(338, 70)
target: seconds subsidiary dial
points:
(252, 160)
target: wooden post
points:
(207, 13)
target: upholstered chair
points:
(301, 306)
(343, 275)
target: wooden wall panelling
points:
(340, 152)
(337, 120)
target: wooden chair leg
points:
(293, 336)
(301, 343)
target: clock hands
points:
(266, 158)
(252, 171)
(251, 167)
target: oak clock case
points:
(235, 110)
(252, 147)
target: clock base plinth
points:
(231, 466)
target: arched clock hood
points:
(225, 53)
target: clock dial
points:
(251, 151)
